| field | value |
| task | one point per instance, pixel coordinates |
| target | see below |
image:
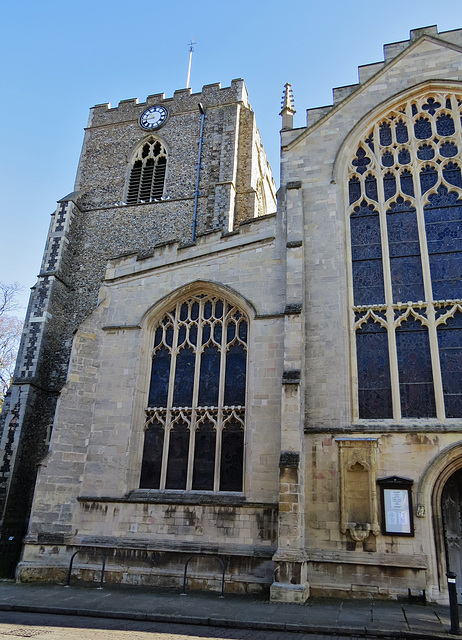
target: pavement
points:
(371, 618)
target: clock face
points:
(154, 117)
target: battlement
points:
(367, 71)
(250, 235)
(183, 100)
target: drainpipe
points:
(196, 192)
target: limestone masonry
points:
(207, 373)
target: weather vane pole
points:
(191, 49)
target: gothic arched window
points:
(147, 175)
(405, 208)
(194, 438)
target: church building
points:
(212, 373)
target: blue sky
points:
(59, 58)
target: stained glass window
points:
(374, 384)
(194, 438)
(405, 196)
(450, 345)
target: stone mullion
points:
(457, 122)
(392, 350)
(171, 386)
(430, 310)
(221, 396)
(197, 368)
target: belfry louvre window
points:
(405, 208)
(194, 438)
(147, 176)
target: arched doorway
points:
(451, 507)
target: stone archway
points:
(451, 508)
(432, 485)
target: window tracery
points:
(195, 419)
(405, 211)
(147, 175)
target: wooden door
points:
(452, 520)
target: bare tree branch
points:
(8, 297)
(10, 335)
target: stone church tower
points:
(153, 180)
(202, 375)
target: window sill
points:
(423, 425)
(198, 498)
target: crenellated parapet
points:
(367, 71)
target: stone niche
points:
(358, 494)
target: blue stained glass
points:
(422, 129)
(230, 332)
(204, 458)
(366, 255)
(407, 183)
(365, 236)
(193, 334)
(443, 225)
(181, 334)
(404, 157)
(448, 103)
(406, 278)
(354, 189)
(388, 159)
(368, 282)
(158, 336)
(209, 377)
(178, 457)
(446, 272)
(169, 336)
(401, 132)
(361, 161)
(389, 185)
(403, 235)
(445, 125)
(206, 331)
(184, 311)
(371, 187)
(243, 331)
(428, 178)
(374, 387)
(160, 375)
(236, 365)
(445, 235)
(451, 173)
(232, 458)
(431, 106)
(442, 198)
(217, 332)
(194, 311)
(450, 346)
(152, 457)
(414, 110)
(184, 378)
(448, 150)
(415, 371)
(219, 309)
(370, 141)
(385, 134)
(208, 310)
(425, 152)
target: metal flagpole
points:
(191, 49)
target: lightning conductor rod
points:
(191, 49)
(199, 166)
